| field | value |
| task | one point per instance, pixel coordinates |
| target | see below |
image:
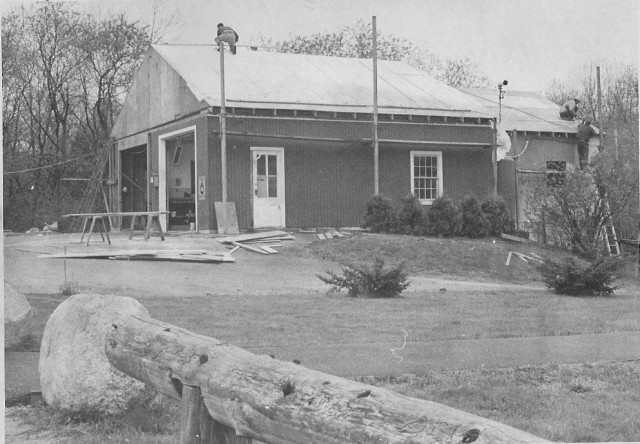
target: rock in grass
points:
(75, 374)
(16, 311)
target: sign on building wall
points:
(201, 188)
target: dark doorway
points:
(181, 166)
(133, 180)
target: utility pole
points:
(376, 147)
(223, 143)
(615, 138)
(599, 91)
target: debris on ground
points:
(515, 238)
(330, 234)
(52, 227)
(147, 255)
(252, 241)
(533, 258)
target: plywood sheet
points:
(232, 218)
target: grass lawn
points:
(472, 259)
(566, 403)
(427, 316)
(276, 320)
(585, 402)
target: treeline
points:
(64, 79)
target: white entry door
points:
(268, 187)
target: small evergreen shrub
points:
(574, 278)
(495, 211)
(69, 288)
(373, 281)
(380, 215)
(411, 218)
(473, 222)
(443, 218)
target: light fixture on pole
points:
(500, 97)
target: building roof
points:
(524, 111)
(256, 79)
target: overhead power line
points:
(47, 166)
(514, 108)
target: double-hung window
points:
(426, 175)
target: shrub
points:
(575, 278)
(473, 222)
(443, 218)
(411, 219)
(380, 215)
(369, 281)
(495, 211)
(69, 288)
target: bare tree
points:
(112, 50)
(64, 78)
(356, 42)
(619, 126)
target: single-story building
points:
(539, 142)
(299, 138)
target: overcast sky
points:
(526, 42)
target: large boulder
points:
(16, 312)
(75, 374)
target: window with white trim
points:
(426, 175)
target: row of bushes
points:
(445, 217)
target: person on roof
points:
(585, 133)
(228, 35)
(569, 110)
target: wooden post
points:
(515, 174)
(223, 434)
(599, 91)
(494, 157)
(223, 142)
(616, 140)
(192, 406)
(376, 143)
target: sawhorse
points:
(102, 228)
(151, 218)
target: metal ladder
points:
(608, 230)
(90, 193)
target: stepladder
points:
(608, 230)
(610, 238)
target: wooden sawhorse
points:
(102, 228)
(152, 217)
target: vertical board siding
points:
(542, 149)
(327, 183)
(466, 171)
(327, 186)
(158, 94)
(507, 184)
(445, 133)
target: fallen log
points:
(280, 402)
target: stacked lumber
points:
(201, 256)
(254, 241)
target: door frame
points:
(279, 151)
(162, 170)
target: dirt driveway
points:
(291, 271)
